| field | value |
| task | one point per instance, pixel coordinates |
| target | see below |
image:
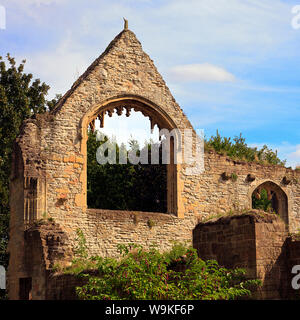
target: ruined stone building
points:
(49, 183)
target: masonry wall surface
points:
(49, 166)
(44, 246)
(230, 241)
(255, 242)
(63, 286)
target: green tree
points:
(21, 97)
(140, 187)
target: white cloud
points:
(227, 34)
(294, 157)
(38, 2)
(172, 32)
(229, 26)
(59, 67)
(201, 72)
(176, 30)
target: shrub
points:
(146, 275)
(237, 148)
(234, 176)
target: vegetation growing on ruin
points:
(262, 203)
(150, 275)
(139, 274)
(238, 149)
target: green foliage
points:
(238, 149)
(176, 253)
(81, 247)
(150, 223)
(80, 261)
(263, 203)
(148, 275)
(21, 97)
(122, 186)
(234, 176)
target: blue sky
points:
(232, 65)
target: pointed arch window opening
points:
(270, 197)
(154, 193)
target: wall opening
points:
(271, 198)
(25, 287)
(133, 186)
(30, 196)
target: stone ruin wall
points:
(203, 196)
(257, 242)
(209, 194)
(49, 167)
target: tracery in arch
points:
(165, 174)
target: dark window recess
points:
(25, 288)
